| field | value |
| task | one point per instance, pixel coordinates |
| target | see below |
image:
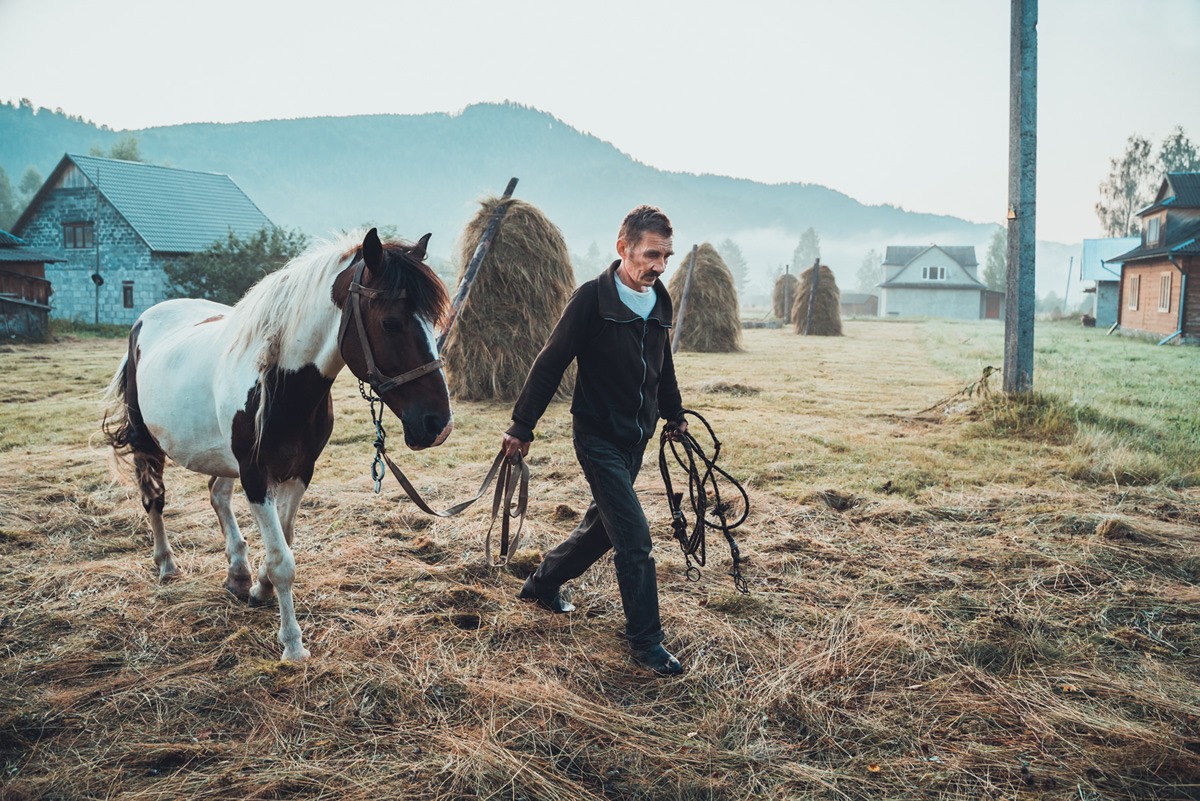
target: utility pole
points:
(1022, 184)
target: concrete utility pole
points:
(1022, 191)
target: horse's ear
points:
(418, 251)
(372, 250)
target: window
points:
(127, 294)
(933, 273)
(78, 235)
(1164, 292)
(1135, 283)
(1152, 225)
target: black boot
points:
(552, 601)
(658, 660)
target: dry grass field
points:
(988, 599)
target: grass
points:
(994, 599)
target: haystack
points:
(517, 297)
(826, 304)
(710, 321)
(784, 296)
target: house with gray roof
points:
(112, 225)
(1094, 266)
(24, 290)
(936, 281)
(1160, 276)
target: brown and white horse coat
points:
(243, 393)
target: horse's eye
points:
(392, 324)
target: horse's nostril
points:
(434, 424)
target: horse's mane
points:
(284, 299)
(270, 312)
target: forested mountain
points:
(426, 173)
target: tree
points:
(807, 251)
(731, 254)
(995, 268)
(31, 182)
(9, 210)
(869, 274)
(1128, 188)
(126, 148)
(228, 268)
(1177, 153)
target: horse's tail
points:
(123, 426)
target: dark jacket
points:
(626, 378)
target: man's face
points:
(644, 261)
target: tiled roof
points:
(175, 211)
(1178, 190)
(904, 254)
(1180, 237)
(13, 248)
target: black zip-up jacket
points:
(626, 377)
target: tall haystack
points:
(784, 297)
(711, 322)
(517, 297)
(826, 303)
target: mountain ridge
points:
(427, 172)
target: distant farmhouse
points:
(111, 225)
(1160, 277)
(936, 281)
(24, 290)
(858, 304)
(1095, 266)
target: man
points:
(617, 328)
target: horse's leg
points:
(237, 580)
(287, 500)
(149, 470)
(278, 569)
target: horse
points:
(243, 392)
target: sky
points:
(903, 102)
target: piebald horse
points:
(243, 392)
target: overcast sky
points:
(890, 101)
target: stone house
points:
(1160, 277)
(114, 225)
(936, 281)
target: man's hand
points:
(680, 428)
(511, 445)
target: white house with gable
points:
(936, 281)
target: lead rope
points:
(509, 502)
(702, 486)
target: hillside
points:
(426, 172)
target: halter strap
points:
(379, 382)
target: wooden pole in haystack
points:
(687, 285)
(787, 295)
(812, 293)
(481, 251)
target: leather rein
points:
(512, 474)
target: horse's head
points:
(390, 303)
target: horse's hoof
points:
(168, 574)
(239, 588)
(257, 598)
(297, 654)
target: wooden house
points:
(1160, 278)
(936, 281)
(112, 225)
(1095, 265)
(24, 290)
(857, 304)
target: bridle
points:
(353, 309)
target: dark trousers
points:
(615, 520)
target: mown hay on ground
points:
(709, 322)
(825, 319)
(784, 296)
(516, 298)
